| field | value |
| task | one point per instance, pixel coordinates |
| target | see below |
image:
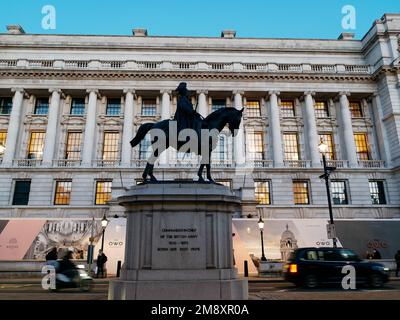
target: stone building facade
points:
(71, 103)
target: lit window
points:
(355, 109)
(149, 107)
(300, 192)
(262, 192)
(361, 142)
(253, 108)
(217, 104)
(21, 192)
(110, 146)
(328, 140)
(255, 145)
(36, 143)
(103, 192)
(321, 109)
(62, 195)
(291, 146)
(339, 192)
(5, 105)
(226, 183)
(73, 148)
(78, 107)
(113, 107)
(287, 108)
(145, 148)
(3, 138)
(377, 192)
(42, 106)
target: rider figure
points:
(185, 115)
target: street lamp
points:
(104, 223)
(323, 149)
(261, 226)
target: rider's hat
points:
(182, 87)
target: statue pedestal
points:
(178, 243)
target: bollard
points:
(118, 268)
(246, 268)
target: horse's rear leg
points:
(148, 171)
(200, 173)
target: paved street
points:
(272, 290)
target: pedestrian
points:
(376, 255)
(51, 256)
(101, 261)
(397, 258)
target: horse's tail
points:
(141, 133)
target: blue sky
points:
(250, 18)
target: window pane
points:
(339, 193)
(361, 146)
(149, 107)
(220, 152)
(73, 148)
(42, 106)
(321, 109)
(145, 148)
(5, 105)
(355, 109)
(21, 192)
(300, 192)
(377, 192)
(291, 145)
(287, 108)
(255, 145)
(78, 106)
(103, 192)
(218, 104)
(113, 107)
(63, 192)
(36, 142)
(253, 108)
(262, 192)
(110, 146)
(328, 140)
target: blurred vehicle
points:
(74, 278)
(311, 267)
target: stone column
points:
(347, 129)
(13, 127)
(240, 156)
(165, 114)
(127, 132)
(51, 130)
(312, 133)
(275, 125)
(90, 128)
(202, 103)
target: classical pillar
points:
(312, 133)
(347, 129)
(51, 130)
(239, 139)
(275, 125)
(165, 114)
(13, 127)
(202, 103)
(90, 128)
(127, 132)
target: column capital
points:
(126, 90)
(58, 90)
(238, 92)
(22, 90)
(96, 91)
(344, 93)
(168, 91)
(201, 91)
(309, 92)
(275, 92)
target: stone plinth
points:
(178, 243)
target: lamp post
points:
(104, 223)
(261, 226)
(323, 148)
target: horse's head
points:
(235, 117)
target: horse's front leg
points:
(200, 173)
(208, 167)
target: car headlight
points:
(385, 269)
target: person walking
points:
(101, 261)
(397, 258)
(376, 255)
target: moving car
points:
(311, 267)
(76, 278)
